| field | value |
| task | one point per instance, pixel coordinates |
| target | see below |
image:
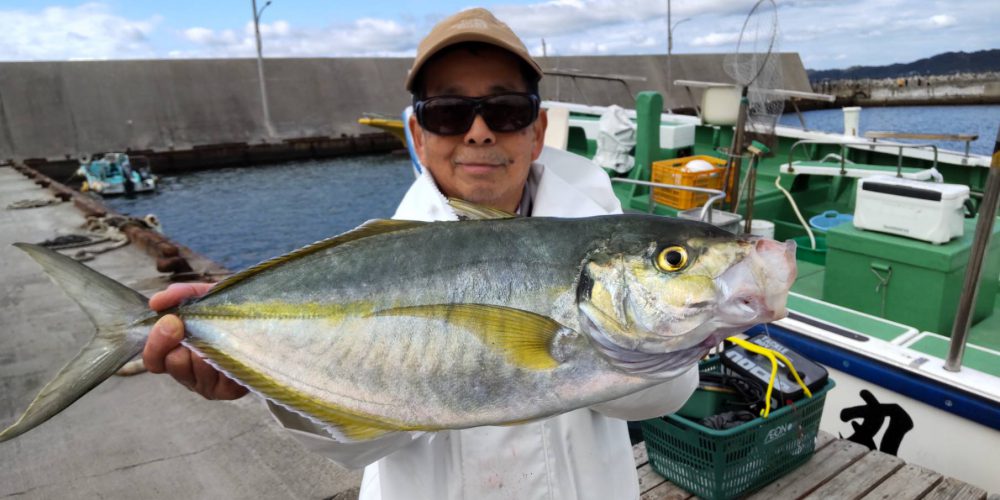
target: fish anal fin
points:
(524, 337)
(471, 211)
(370, 228)
(345, 424)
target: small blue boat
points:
(114, 173)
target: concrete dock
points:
(132, 437)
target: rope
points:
(35, 203)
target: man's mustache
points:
(485, 157)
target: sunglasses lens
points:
(508, 112)
(448, 116)
(454, 115)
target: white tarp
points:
(615, 140)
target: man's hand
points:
(163, 352)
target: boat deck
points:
(839, 469)
(983, 334)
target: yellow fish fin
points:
(349, 424)
(524, 337)
(370, 228)
(471, 211)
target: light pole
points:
(670, 49)
(260, 68)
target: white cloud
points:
(715, 39)
(942, 21)
(826, 34)
(363, 37)
(88, 31)
(579, 16)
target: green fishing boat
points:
(885, 230)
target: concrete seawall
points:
(62, 110)
(980, 88)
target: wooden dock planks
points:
(840, 470)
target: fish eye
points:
(672, 259)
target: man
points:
(478, 130)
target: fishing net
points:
(756, 66)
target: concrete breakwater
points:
(188, 113)
(967, 88)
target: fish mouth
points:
(755, 290)
(659, 365)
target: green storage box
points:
(724, 464)
(924, 281)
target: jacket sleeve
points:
(661, 399)
(348, 455)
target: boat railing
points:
(966, 138)
(846, 144)
(573, 75)
(706, 213)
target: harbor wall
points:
(184, 110)
(964, 88)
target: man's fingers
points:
(205, 377)
(163, 338)
(176, 293)
(179, 366)
(225, 388)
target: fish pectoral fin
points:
(524, 337)
(472, 211)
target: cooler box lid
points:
(910, 188)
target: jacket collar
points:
(571, 187)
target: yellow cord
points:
(772, 355)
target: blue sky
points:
(827, 34)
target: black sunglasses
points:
(452, 114)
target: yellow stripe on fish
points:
(524, 337)
(280, 310)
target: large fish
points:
(412, 326)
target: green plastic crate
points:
(724, 464)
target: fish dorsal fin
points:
(471, 211)
(370, 228)
(524, 337)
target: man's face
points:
(480, 166)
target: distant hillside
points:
(941, 64)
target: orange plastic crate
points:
(672, 172)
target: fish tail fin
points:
(113, 308)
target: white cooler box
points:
(922, 210)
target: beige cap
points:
(473, 25)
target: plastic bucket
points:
(762, 228)
(829, 219)
(803, 250)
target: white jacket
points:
(585, 453)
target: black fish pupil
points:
(674, 258)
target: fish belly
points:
(406, 372)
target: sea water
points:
(241, 216)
